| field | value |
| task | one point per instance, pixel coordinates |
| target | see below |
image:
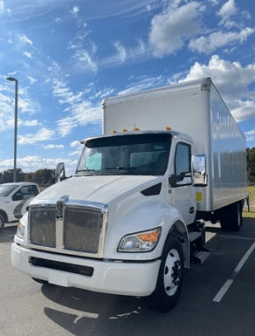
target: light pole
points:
(15, 124)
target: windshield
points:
(5, 190)
(141, 154)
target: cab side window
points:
(182, 159)
(24, 193)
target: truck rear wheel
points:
(170, 278)
(2, 221)
(231, 217)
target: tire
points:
(2, 221)
(231, 217)
(170, 278)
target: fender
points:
(20, 209)
(145, 216)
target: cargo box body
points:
(196, 109)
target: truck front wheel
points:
(2, 221)
(170, 278)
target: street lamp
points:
(15, 124)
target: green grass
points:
(251, 214)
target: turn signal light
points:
(150, 236)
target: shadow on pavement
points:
(7, 234)
(90, 313)
(82, 312)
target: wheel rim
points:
(172, 272)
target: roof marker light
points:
(136, 129)
(124, 130)
(113, 131)
(167, 128)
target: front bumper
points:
(123, 278)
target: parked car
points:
(14, 198)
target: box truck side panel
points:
(228, 155)
(178, 106)
(196, 109)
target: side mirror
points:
(60, 168)
(199, 170)
(173, 179)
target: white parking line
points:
(229, 282)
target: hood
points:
(102, 189)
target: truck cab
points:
(127, 207)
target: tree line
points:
(250, 164)
(41, 176)
(47, 176)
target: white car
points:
(14, 198)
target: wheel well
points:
(4, 215)
(178, 229)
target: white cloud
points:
(30, 123)
(76, 144)
(43, 134)
(209, 44)
(78, 148)
(78, 152)
(31, 79)
(228, 9)
(226, 12)
(27, 54)
(79, 111)
(123, 54)
(6, 112)
(170, 29)
(214, 2)
(143, 83)
(121, 51)
(25, 102)
(3, 9)
(85, 61)
(25, 105)
(24, 39)
(51, 146)
(102, 93)
(232, 80)
(75, 10)
(250, 135)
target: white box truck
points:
(130, 219)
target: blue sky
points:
(69, 55)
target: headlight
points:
(140, 242)
(20, 230)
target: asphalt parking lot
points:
(218, 298)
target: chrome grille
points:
(43, 226)
(74, 228)
(82, 229)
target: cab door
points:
(21, 199)
(181, 185)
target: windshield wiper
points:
(86, 170)
(131, 170)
